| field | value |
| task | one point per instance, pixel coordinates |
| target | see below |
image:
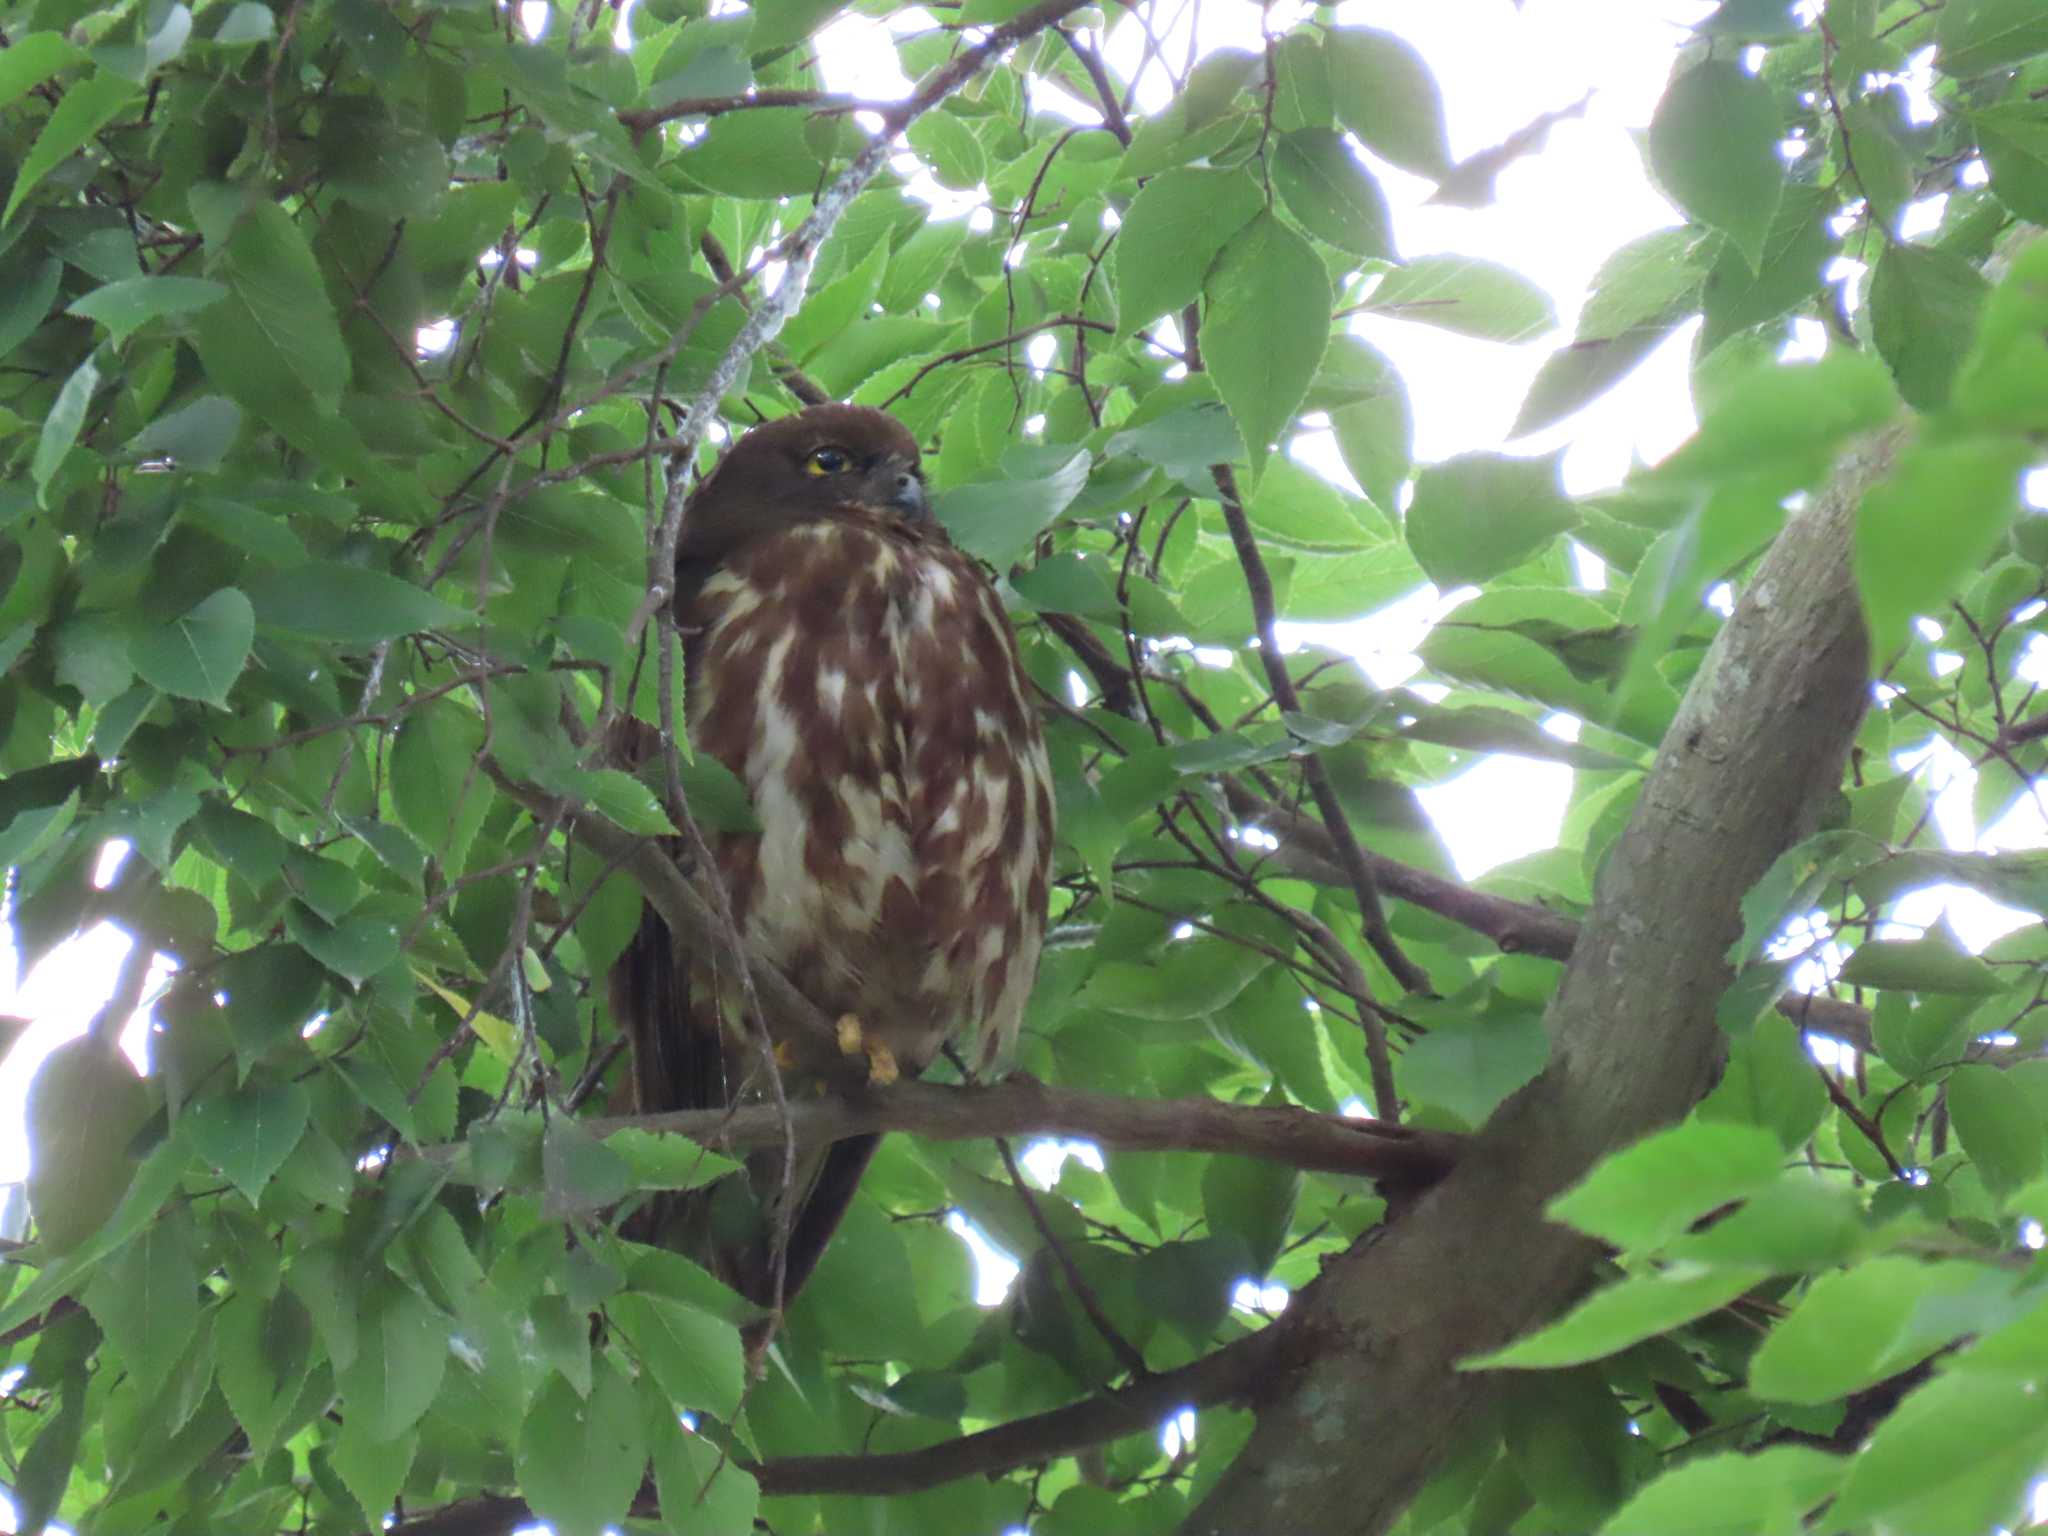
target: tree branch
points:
(1755, 753)
(1228, 1374)
(1351, 857)
(1024, 1106)
(1518, 927)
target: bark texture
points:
(1365, 1393)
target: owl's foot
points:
(855, 1041)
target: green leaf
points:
(696, 1357)
(1648, 1193)
(125, 306)
(1953, 1459)
(28, 61)
(146, 1297)
(87, 106)
(197, 437)
(1770, 1081)
(1384, 93)
(1920, 965)
(580, 1459)
(1714, 146)
(262, 1354)
(249, 1133)
(46, 1466)
(1910, 558)
(668, 1162)
(1924, 305)
(1737, 296)
(1331, 194)
(1786, 420)
(997, 520)
(247, 22)
(83, 1108)
(436, 787)
(951, 149)
(2014, 143)
(1466, 295)
(1250, 1200)
(1771, 1490)
(1265, 325)
(61, 426)
(200, 655)
(1576, 375)
(626, 802)
(1976, 36)
(274, 339)
(764, 153)
(1467, 1069)
(1853, 1327)
(1636, 1308)
(692, 1473)
(373, 1470)
(1479, 514)
(328, 600)
(1998, 1125)
(401, 1354)
(25, 302)
(1170, 236)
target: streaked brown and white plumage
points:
(860, 676)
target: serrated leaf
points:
(249, 1133)
(696, 1357)
(275, 335)
(86, 107)
(1171, 234)
(1714, 146)
(1385, 93)
(580, 1459)
(1467, 295)
(1266, 323)
(400, 1356)
(1331, 195)
(1924, 305)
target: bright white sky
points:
(1559, 215)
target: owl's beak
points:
(894, 483)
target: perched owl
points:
(858, 673)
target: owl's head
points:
(821, 461)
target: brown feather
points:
(859, 674)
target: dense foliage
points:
(349, 347)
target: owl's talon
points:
(785, 1056)
(855, 1041)
(882, 1068)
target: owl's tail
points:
(680, 1060)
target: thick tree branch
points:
(1374, 1344)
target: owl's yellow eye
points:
(828, 461)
